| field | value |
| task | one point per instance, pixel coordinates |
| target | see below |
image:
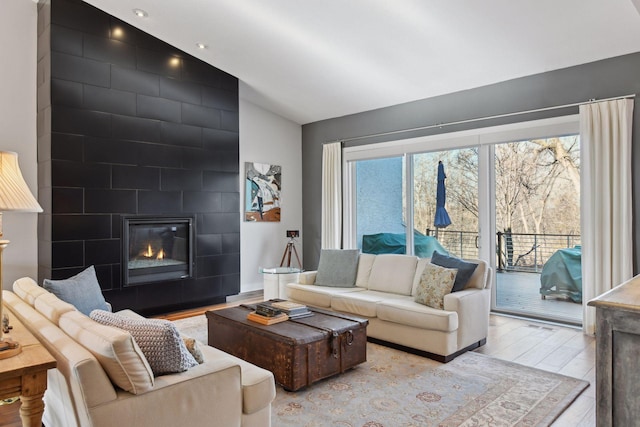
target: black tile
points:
(102, 251)
(103, 274)
(67, 200)
(110, 201)
(230, 121)
(65, 40)
(218, 223)
(204, 289)
(219, 98)
(159, 63)
(181, 135)
(71, 174)
(67, 147)
(159, 155)
(194, 70)
(218, 265)
(109, 100)
(229, 202)
(116, 226)
(65, 273)
(80, 227)
(136, 129)
(200, 159)
(221, 181)
(135, 81)
(83, 70)
(80, 122)
(80, 16)
(228, 82)
(67, 93)
(121, 31)
(116, 276)
(202, 201)
(231, 242)
(181, 180)
(231, 284)
(159, 202)
(158, 295)
(111, 51)
(209, 244)
(180, 91)
(136, 177)
(216, 139)
(67, 254)
(158, 108)
(200, 116)
(103, 150)
(228, 161)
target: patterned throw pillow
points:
(158, 339)
(434, 284)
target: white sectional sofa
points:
(384, 292)
(222, 391)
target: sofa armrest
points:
(472, 306)
(307, 277)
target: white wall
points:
(268, 138)
(18, 36)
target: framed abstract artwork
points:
(262, 192)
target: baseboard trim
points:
(437, 357)
(245, 295)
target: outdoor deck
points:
(520, 293)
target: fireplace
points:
(156, 249)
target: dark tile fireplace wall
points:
(137, 127)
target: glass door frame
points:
(482, 138)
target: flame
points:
(160, 254)
(149, 252)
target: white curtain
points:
(606, 216)
(331, 233)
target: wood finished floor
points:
(551, 347)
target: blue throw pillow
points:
(338, 267)
(465, 269)
(82, 291)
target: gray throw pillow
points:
(465, 269)
(338, 267)
(82, 291)
(158, 339)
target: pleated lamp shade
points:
(14, 193)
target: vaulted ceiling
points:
(309, 60)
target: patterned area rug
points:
(394, 388)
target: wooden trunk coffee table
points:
(298, 352)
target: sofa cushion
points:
(365, 262)
(81, 290)
(158, 339)
(406, 311)
(28, 290)
(317, 296)
(393, 273)
(436, 282)
(465, 269)
(360, 303)
(52, 307)
(337, 267)
(115, 349)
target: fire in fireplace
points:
(156, 249)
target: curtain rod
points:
(479, 119)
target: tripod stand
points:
(291, 247)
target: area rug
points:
(394, 388)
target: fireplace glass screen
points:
(157, 249)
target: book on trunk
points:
(267, 320)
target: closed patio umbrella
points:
(441, 219)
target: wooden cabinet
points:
(617, 355)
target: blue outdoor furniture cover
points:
(562, 274)
(391, 243)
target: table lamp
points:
(14, 196)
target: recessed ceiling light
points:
(201, 45)
(140, 13)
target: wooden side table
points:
(25, 374)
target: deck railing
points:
(525, 252)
